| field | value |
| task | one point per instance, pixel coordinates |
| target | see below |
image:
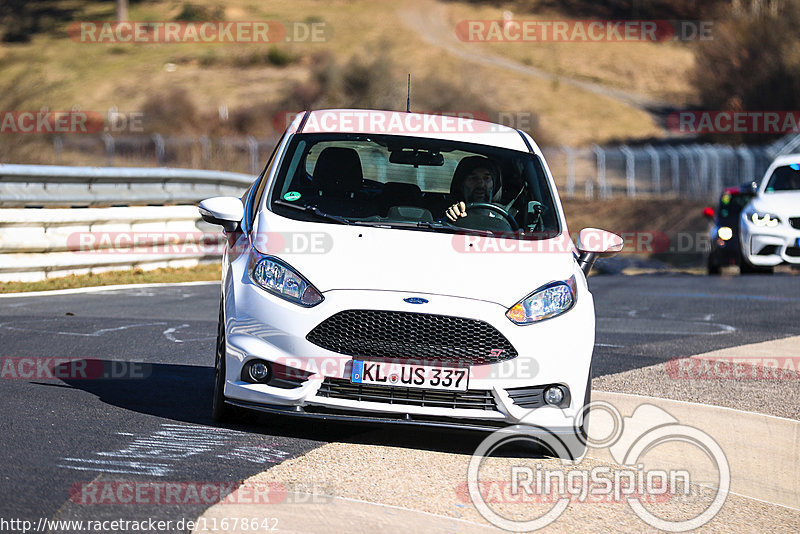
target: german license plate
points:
(409, 375)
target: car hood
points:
(334, 256)
(786, 203)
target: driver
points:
(476, 179)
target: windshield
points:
(410, 182)
(784, 179)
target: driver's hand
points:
(455, 211)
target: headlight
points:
(546, 302)
(725, 233)
(763, 219)
(278, 278)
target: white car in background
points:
(770, 224)
(401, 315)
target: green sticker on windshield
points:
(291, 196)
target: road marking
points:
(99, 289)
(169, 333)
(156, 454)
(628, 325)
(96, 333)
(719, 296)
(255, 454)
(116, 466)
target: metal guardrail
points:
(126, 207)
(43, 243)
(61, 186)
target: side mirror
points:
(749, 188)
(708, 212)
(224, 211)
(594, 243)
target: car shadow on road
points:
(182, 393)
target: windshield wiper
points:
(313, 210)
(428, 225)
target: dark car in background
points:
(724, 235)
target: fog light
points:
(256, 371)
(554, 395)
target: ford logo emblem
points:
(416, 300)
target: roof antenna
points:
(408, 98)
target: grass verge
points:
(203, 272)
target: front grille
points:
(405, 335)
(768, 250)
(795, 222)
(431, 398)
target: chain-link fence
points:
(695, 171)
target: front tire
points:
(579, 442)
(220, 411)
(712, 266)
(587, 399)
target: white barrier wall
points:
(42, 243)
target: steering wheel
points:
(497, 209)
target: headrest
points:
(338, 170)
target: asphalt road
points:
(148, 419)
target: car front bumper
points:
(768, 247)
(554, 352)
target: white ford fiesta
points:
(405, 268)
(770, 224)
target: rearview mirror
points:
(416, 157)
(595, 243)
(224, 211)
